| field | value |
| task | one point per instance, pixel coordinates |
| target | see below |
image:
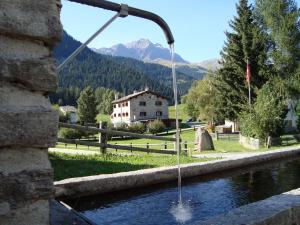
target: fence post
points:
(116, 148)
(179, 146)
(148, 147)
(166, 145)
(217, 135)
(131, 147)
(103, 137)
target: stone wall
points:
(28, 125)
(281, 209)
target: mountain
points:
(142, 49)
(210, 64)
(122, 74)
(191, 69)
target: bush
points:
(266, 118)
(156, 126)
(121, 126)
(137, 128)
(70, 133)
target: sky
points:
(198, 26)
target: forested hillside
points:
(118, 73)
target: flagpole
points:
(249, 93)
(248, 81)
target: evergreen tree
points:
(246, 43)
(87, 106)
(280, 19)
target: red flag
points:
(248, 73)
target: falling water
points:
(181, 211)
(177, 123)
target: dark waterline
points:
(205, 196)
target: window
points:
(159, 113)
(142, 103)
(115, 115)
(123, 114)
(126, 103)
(119, 115)
(158, 103)
(119, 105)
(127, 114)
(115, 106)
(143, 114)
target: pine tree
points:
(87, 106)
(280, 19)
(246, 43)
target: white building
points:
(140, 107)
(291, 117)
(71, 111)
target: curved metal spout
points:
(131, 11)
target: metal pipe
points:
(131, 11)
(82, 46)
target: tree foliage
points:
(280, 20)
(87, 106)
(266, 117)
(104, 98)
(200, 100)
(245, 43)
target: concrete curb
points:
(100, 184)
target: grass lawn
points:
(189, 136)
(67, 166)
(181, 112)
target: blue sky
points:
(198, 25)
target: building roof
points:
(128, 97)
(68, 108)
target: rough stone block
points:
(36, 213)
(17, 159)
(18, 49)
(28, 128)
(35, 75)
(26, 118)
(31, 19)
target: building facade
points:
(71, 111)
(139, 107)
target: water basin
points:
(203, 197)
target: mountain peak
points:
(142, 49)
(141, 44)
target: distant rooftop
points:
(126, 98)
(68, 108)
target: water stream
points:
(181, 211)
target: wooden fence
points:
(103, 137)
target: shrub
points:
(266, 116)
(137, 128)
(121, 126)
(156, 126)
(69, 133)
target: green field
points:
(67, 165)
(181, 112)
(186, 136)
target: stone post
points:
(29, 30)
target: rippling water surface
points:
(202, 197)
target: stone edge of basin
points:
(105, 183)
(276, 210)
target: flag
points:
(248, 73)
